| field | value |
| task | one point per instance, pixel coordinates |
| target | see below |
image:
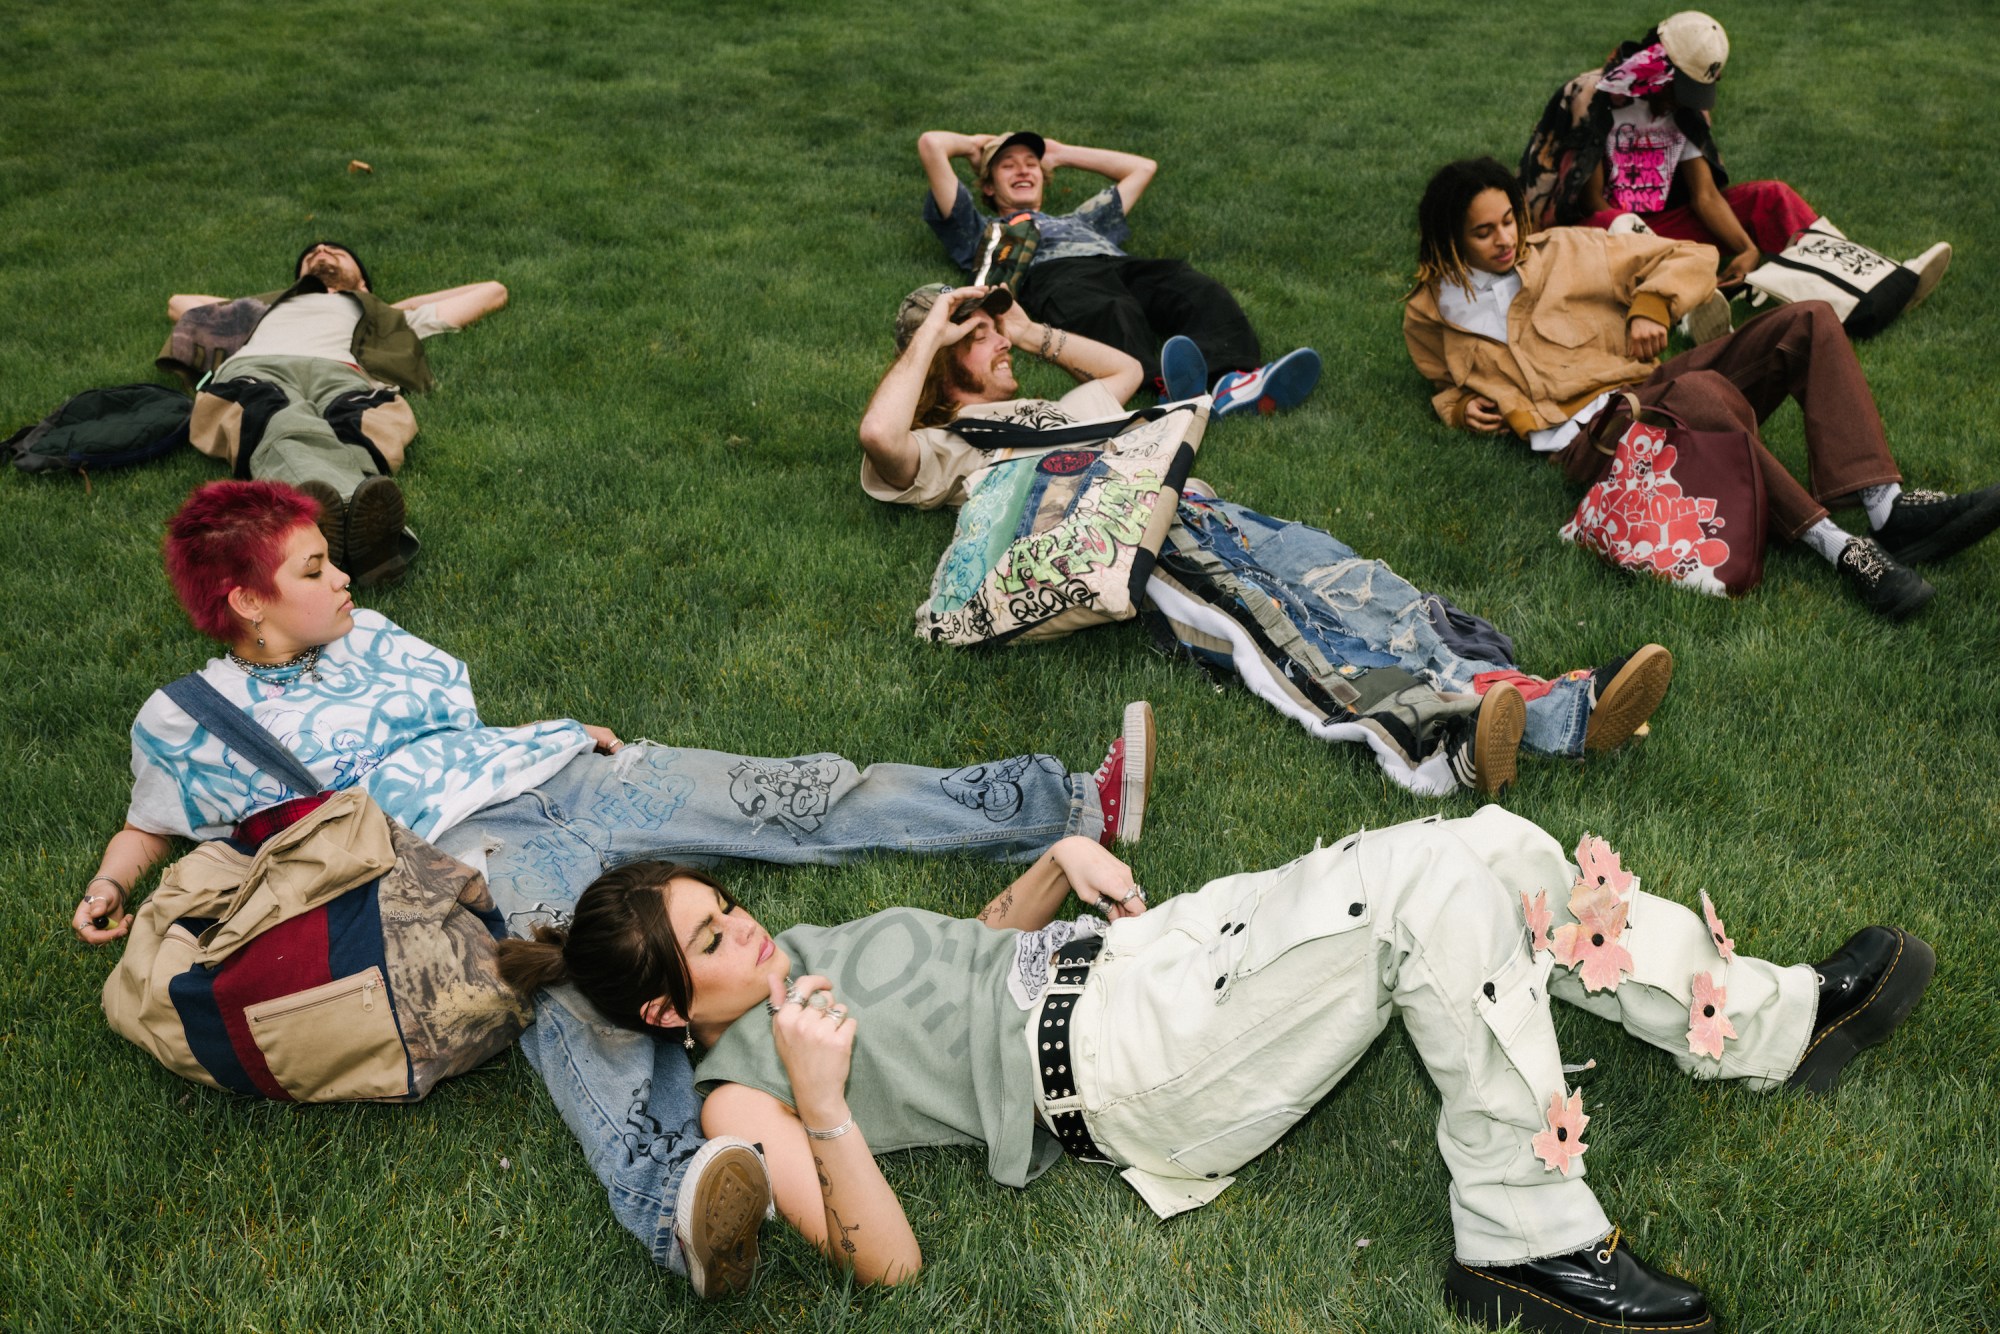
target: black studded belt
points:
(1053, 1054)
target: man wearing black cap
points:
(305, 386)
(1186, 330)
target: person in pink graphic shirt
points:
(1635, 137)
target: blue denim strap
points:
(240, 732)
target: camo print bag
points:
(1065, 537)
(321, 953)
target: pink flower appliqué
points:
(1590, 945)
(1562, 1143)
(1538, 917)
(1723, 944)
(1597, 868)
(1707, 1024)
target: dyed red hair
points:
(230, 535)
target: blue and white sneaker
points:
(1183, 370)
(1284, 383)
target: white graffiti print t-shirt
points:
(388, 712)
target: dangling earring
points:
(259, 624)
(687, 1040)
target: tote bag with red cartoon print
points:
(1679, 504)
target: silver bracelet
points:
(834, 1133)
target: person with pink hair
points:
(543, 808)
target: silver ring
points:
(821, 1001)
(839, 1012)
(1138, 891)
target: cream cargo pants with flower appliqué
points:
(1210, 1025)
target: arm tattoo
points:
(997, 909)
(826, 1196)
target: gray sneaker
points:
(724, 1198)
(1707, 321)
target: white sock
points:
(1878, 501)
(1828, 538)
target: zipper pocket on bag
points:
(338, 1041)
(368, 984)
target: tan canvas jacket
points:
(1566, 333)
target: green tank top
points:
(940, 1047)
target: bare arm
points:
(1100, 880)
(129, 854)
(1593, 191)
(830, 1189)
(1130, 172)
(461, 306)
(936, 149)
(1716, 215)
(1084, 358)
(181, 303)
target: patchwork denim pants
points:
(1362, 615)
(628, 1097)
(1209, 1026)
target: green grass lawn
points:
(637, 492)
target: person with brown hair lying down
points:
(305, 387)
(1179, 1039)
(1342, 644)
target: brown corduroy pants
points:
(1797, 351)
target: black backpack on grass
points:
(104, 428)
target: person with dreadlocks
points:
(1542, 334)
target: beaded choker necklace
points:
(304, 667)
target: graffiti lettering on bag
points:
(1089, 540)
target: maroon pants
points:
(1732, 384)
(1770, 211)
